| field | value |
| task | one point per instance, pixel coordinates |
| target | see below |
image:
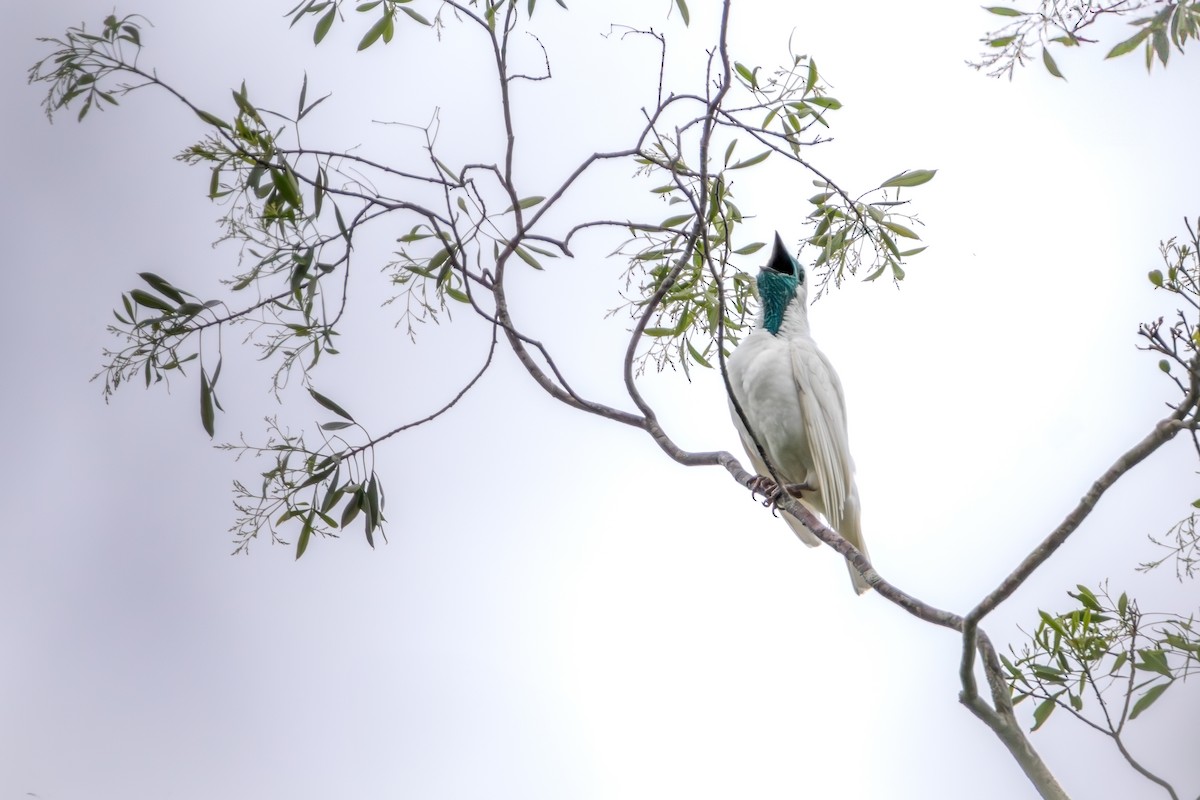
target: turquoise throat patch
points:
(775, 290)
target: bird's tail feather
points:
(849, 526)
(851, 530)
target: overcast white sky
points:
(562, 612)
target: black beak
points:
(780, 260)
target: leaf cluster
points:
(1105, 661)
(1064, 24)
(81, 66)
(307, 485)
(689, 256)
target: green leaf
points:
(1154, 660)
(1130, 44)
(1156, 277)
(914, 177)
(289, 188)
(144, 298)
(323, 26)
(671, 222)
(527, 202)
(353, 506)
(305, 534)
(750, 162)
(729, 151)
(163, 287)
(373, 34)
(1003, 41)
(1165, 366)
(1003, 11)
(1048, 674)
(373, 498)
(750, 248)
(527, 258)
(414, 15)
(683, 12)
(1042, 713)
(336, 426)
(329, 404)
(826, 102)
(1146, 700)
(900, 230)
(206, 404)
(1012, 670)
(212, 119)
(745, 72)
(1162, 46)
(1088, 598)
(1051, 66)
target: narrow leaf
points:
(750, 248)
(206, 404)
(414, 15)
(900, 230)
(914, 177)
(329, 404)
(1130, 44)
(162, 286)
(1146, 700)
(683, 12)
(375, 31)
(305, 534)
(750, 162)
(144, 298)
(1042, 713)
(527, 258)
(1051, 66)
(212, 119)
(323, 26)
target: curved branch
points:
(1163, 432)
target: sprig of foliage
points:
(1104, 645)
(1182, 543)
(1063, 23)
(84, 62)
(793, 106)
(1105, 662)
(307, 485)
(1178, 344)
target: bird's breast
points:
(761, 373)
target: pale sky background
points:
(563, 612)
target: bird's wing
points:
(824, 411)
(747, 357)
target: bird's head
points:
(779, 282)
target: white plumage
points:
(793, 400)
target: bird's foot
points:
(772, 491)
(768, 488)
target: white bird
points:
(793, 400)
